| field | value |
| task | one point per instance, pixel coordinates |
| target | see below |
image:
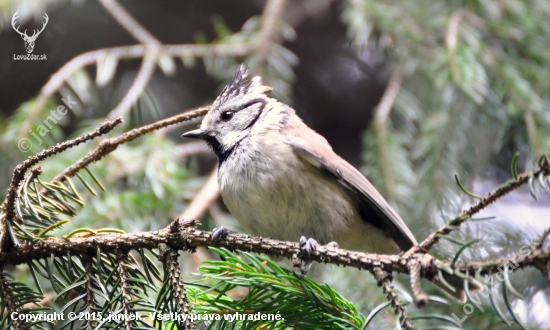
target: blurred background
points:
(410, 92)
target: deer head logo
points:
(29, 40)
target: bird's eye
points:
(226, 116)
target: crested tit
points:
(281, 179)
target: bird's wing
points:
(371, 205)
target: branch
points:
(155, 49)
(537, 257)
(123, 17)
(272, 12)
(543, 238)
(187, 237)
(126, 52)
(206, 196)
(539, 244)
(90, 298)
(420, 297)
(384, 280)
(143, 77)
(169, 258)
(183, 235)
(21, 169)
(7, 296)
(381, 116)
(126, 297)
(109, 145)
(531, 128)
(490, 198)
(148, 64)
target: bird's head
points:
(242, 107)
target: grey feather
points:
(372, 207)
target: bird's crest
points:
(241, 86)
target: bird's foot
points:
(302, 265)
(221, 233)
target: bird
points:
(281, 179)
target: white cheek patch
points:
(271, 119)
(231, 138)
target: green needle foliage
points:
(271, 290)
(475, 90)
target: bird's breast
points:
(272, 193)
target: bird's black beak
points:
(195, 134)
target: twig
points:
(420, 297)
(383, 109)
(126, 20)
(7, 297)
(272, 12)
(21, 169)
(490, 198)
(148, 63)
(169, 258)
(125, 294)
(539, 245)
(451, 39)
(531, 128)
(208, 194)
(143, 77)
(179, 125)
(90, 295)
(384, 280)
(109, 145)
(381, 116)
(535, 258)
(125, 52)
(543, 238)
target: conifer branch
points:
(19, 173)
(126, 296)
(7, 296)
(420, 297)
(169, 257)
(187, 237)
(90, 297)
(110, 145)
(384, 280)
(129, 23)
(503, 190)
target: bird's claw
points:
(220, 233)
(302, 265)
